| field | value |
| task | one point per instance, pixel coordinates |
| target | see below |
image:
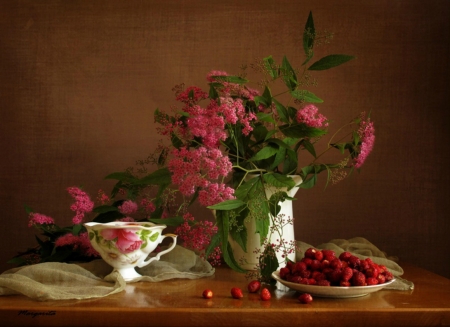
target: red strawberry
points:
(254, 286)
(345, 283)
(236, 293)
(347, 274)
(265, 294)
(372, 271)
(207, 294)
(305, 298)
(284, 272)
(298, 267)
(310, 253)
(371, 281)
(336, 263)
(354, 262)
(381, 279)
(318, 255)
(316, 265)
(329, 255)
(323, 282)
(388, 275)
(344, 256)
(358, 279)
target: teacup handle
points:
(158, 256)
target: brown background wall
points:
(79, 81)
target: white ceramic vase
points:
(249, 260)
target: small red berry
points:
(310, 253)
(284, 272)
(344, 256)
(329, 255)
(318, 255)
(305, 298)
(359, 279)
(265, 294)
(347, 274)
(323, 282)
(254, 286)
(371, 281)
(207, 294)
(236, 293)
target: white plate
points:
(331, 291)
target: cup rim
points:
(125, 224)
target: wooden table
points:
(180, 303)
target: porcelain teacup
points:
(126, 245)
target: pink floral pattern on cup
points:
(126, 240)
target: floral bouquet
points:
(226, 144)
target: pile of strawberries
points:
(324, 268)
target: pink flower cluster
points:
(39, 219)
(192, 94)
(197, 168)
(78, 243)
(148, 205)
(128, 207)
(310, 116)
(82, 205)
(196, 236)
(366, 133)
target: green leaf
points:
(279, 180)
(301, 131)
(282, 112)
(28, 209)
(309, 35)
(213, 94)
(122, 176)
(330, 61)
(176, 141)
(76, 229)
(270, 67)
(238, 231)
(161, 176)
(172, 221)
(264, 153)
(265, 117)
(288, 73)
(262, 225)
(230, 79)
(268, 262)
(309, 147)
(105, 208)
(306, 96)
(154, 237)
(227, 205)
(222, 220)
(215, 242)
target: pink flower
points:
(192, 94)
(79, 243)
(366, 133)
(148, 205)
(39, 219)
(82, 205)
(192, 168)
(215, 193)
(126, 239)
(102, 197)
(210, 77)
(128, 207)
(196, 236)
(309, 115)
